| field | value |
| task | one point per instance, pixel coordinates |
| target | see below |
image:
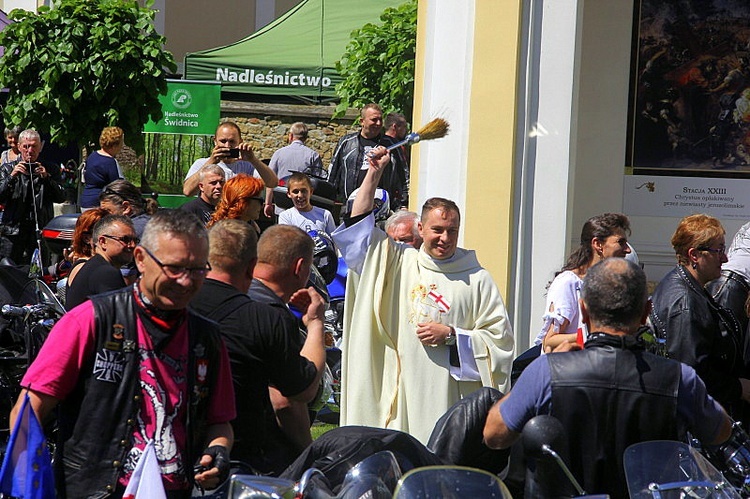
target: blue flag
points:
(27, 467)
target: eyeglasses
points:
(126, 240)
(177, 272)
(721, 250)
(255, 198)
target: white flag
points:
(145, 482)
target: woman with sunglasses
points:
(696, 329)
(240, 200)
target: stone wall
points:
(266, 126)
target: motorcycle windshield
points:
(668, 469)
(450, 482)
(379, 469)
(36, 291)
(13, 281)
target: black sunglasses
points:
(126, 240)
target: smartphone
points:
(233, 153)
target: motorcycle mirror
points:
(541, 431)
(541, 435)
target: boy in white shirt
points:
(303, 214)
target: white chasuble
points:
(389, 379)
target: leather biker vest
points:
(96, 421)
(608, 396)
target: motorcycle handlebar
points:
(12, 311)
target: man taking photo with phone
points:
(233, 156)
(28, 189)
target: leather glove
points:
(220, 460)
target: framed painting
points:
(689, 113)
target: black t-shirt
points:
(262, 352)
(96, 276)
(261, 293)
(200, 208)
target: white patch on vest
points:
(109, 366)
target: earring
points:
(695, 265)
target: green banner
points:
(189, 107)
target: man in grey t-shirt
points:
(296, 157)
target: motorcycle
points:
(375, 477)
(333, 271)
(354, 461)
(29, 311)
(658, 469)
(665, 469)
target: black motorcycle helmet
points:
(325, 257)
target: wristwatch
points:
(450, 340)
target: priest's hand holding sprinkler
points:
(435, 129)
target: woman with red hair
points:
(81, 248)
(240, 199)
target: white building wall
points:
(547, 166)
(8, 5)
(442, 164)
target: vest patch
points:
(118, 331)
(128, 346)
(202, 365)
(109, 366)
(112, 345)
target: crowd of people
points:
(179, 329)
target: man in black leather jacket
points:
(349, 163)
(613, 392)
(17, 181)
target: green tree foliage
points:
(378, 64)
(84, 65)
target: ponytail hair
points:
(598, 227)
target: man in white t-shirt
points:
(233, 156)
(303, 214)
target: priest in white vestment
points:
(422, 328)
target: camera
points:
(30, 167)
(233, 153)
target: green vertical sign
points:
(189, 107)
